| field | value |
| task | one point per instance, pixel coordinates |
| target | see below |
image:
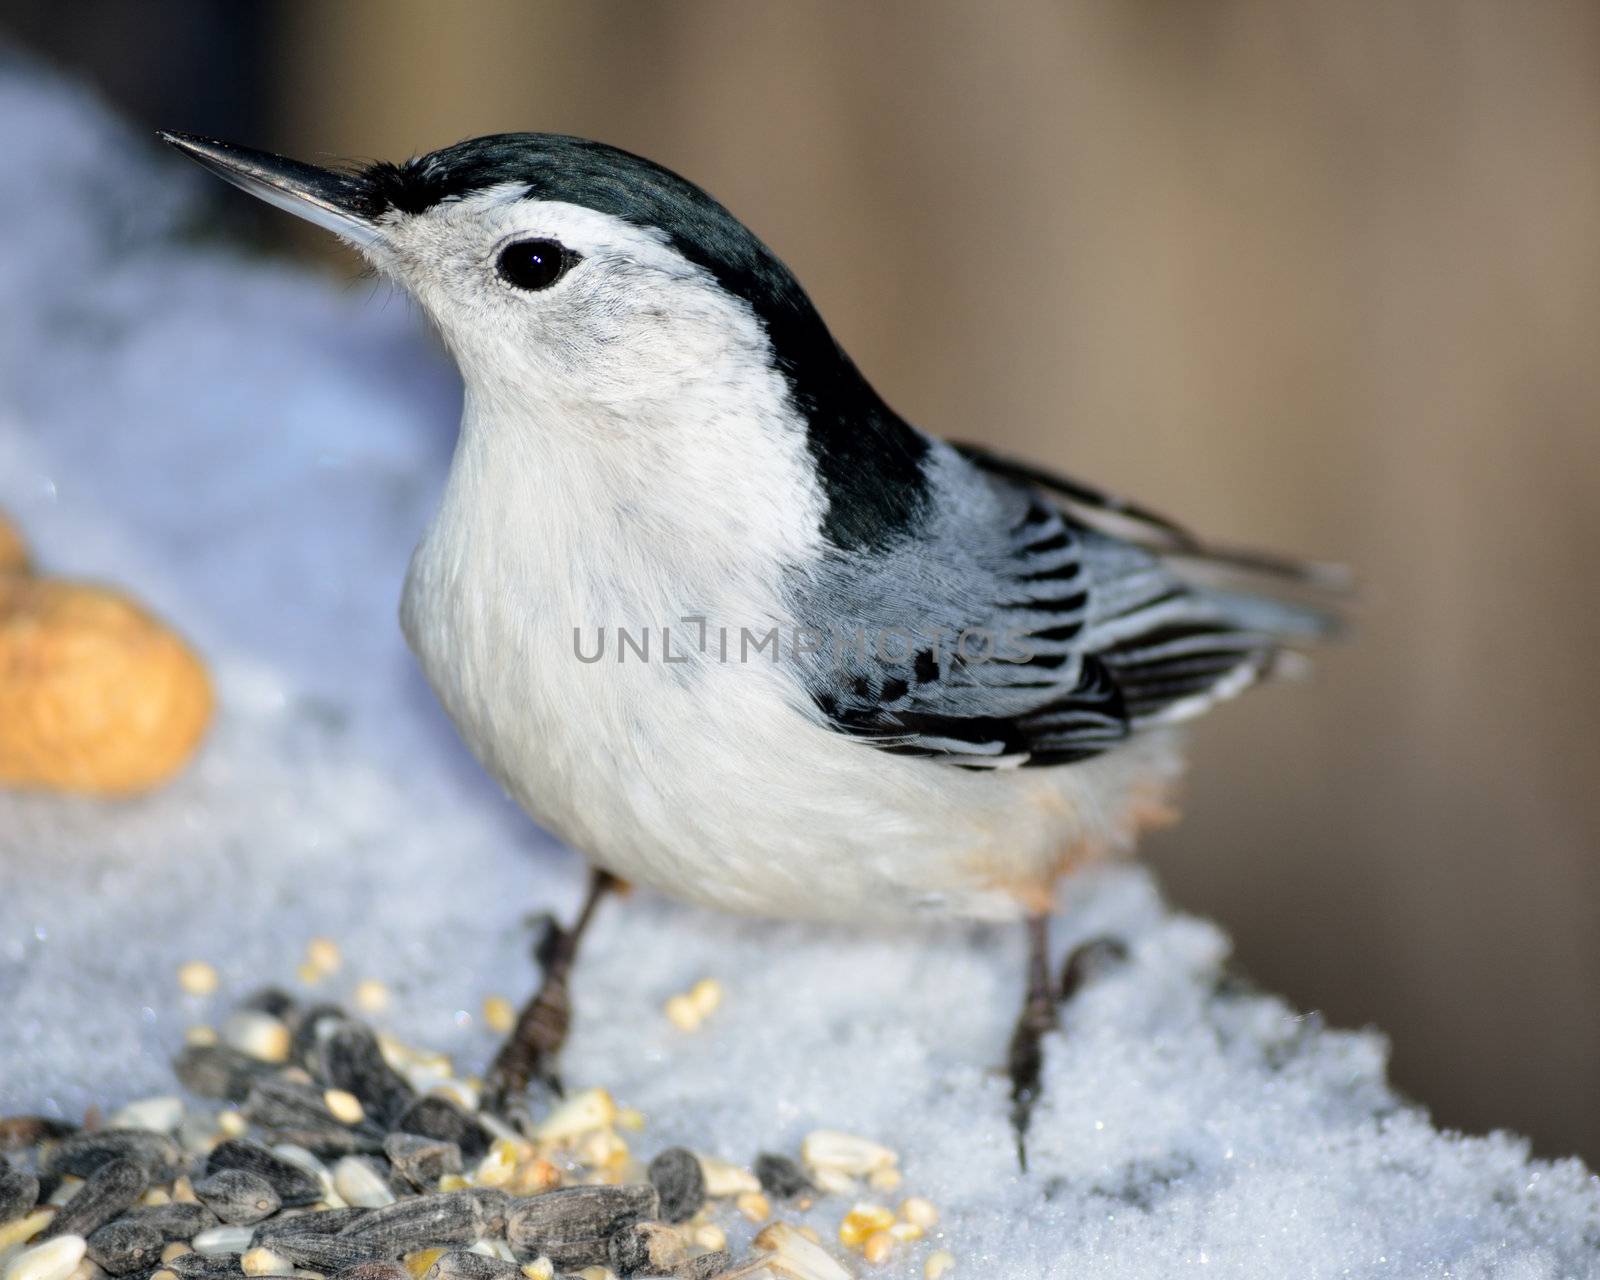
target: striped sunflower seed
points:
(120, 1247)
(346, 1056)
(573, 1226)
(433, 1117)
(463, 1264)
(238, 1196)
(449, 1217)
(422, 1161)
(680, 1182)
(216, 1071)
(81, 1154)
(294, 1185)
(19, 1192)
(179, 1220)
(111, 1188)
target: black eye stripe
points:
(535, 264)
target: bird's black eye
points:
(535, 264)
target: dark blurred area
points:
(1322, 278)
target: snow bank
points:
(253, 449)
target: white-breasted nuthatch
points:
(717, 616)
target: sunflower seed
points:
(442, 1119)
(572, 1226)
(201, 1266)
(704, 1266)
(346, 1056)
(297, 1113)
(238, 1196)
(179, 1220)
(781, 1177)
(54, 1260)
(105, 1193)
(124, 1246)
(306, 1027)
(317, 1222)
(650, 1247)
(294, 1185)
(19, 1192)
(450, 1217)
(462, 1264)
(422, 1161)
(679, 1181)
(215, 1071)
(373, 1271)
(80, 1155)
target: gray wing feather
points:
(1006, 632)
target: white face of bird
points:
(584, 314)
(592, 314)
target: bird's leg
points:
(1025, 1058)
(530, 1050)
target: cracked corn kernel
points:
(497, 1167)
(706, 996)
(879, 1245)
(919, 1211)
(197, 978)
(711, 1237)
(682, 1014)
(418, 1263)
(25, 1228)
(940, 1263)
(232, 1123)
(175, 1250)
(754, 1206)
(862, 1222)
(371, 996)
(534, 1176)
(540, 1268)
(630, 1118)
(580, 1114)
(323, 955)
(885, 1179)
(498, 1015)
(264, 1262)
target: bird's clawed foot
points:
(531, 1050)
(1025, 1056)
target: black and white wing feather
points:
(1006, 631)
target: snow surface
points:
(254, 448)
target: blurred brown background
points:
(1320, 277)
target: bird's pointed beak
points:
(343, 203)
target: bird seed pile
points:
(329, 1149)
